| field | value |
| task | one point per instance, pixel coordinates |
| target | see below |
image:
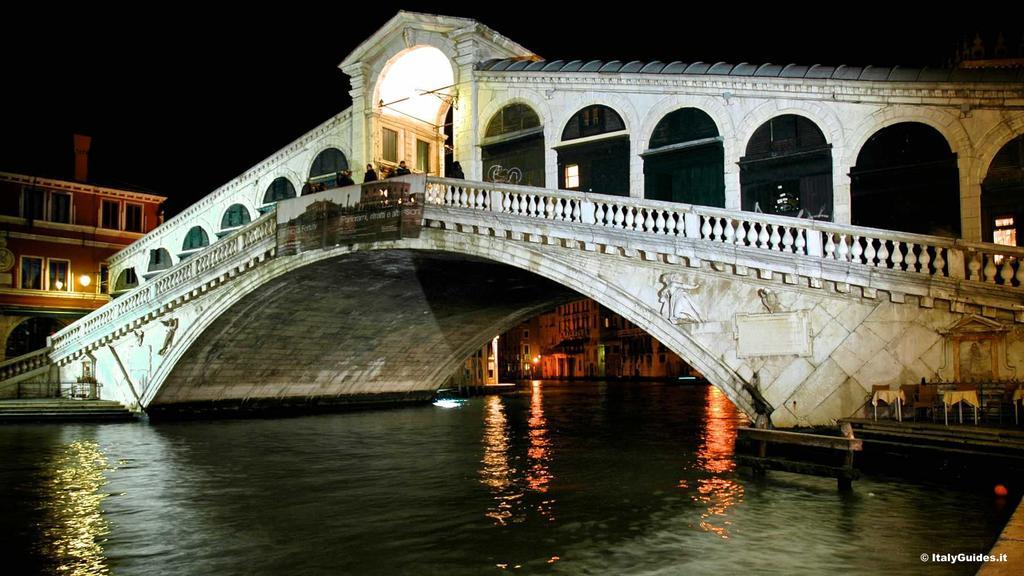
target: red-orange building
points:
(55, 239)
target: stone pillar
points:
(970, 201)
(466, 130)
(842, 210)
(733, 196)
(636, 166)
(360, 138)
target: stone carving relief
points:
(676, 301)
(172, 326)
(770, 300)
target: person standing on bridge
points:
(403, 170)
(456, 171)
(345, 178)
(371, 174)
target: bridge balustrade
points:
(913, 253)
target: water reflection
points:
(74, 527)
(509, 484)
(719, 492)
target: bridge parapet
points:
(188, 278)
(900, 263)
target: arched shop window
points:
(236, 215)
(787, 169)
(195, 239)
(685, 161)
(513, 147)
(1002, 196)
(906, 179)
(126, 280)
(594, 153)
(279, 189)
(326, 166)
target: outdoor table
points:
(951, 397)
(889, 397)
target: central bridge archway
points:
(381, 325)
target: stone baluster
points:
(705, 228)
(857, 250)
(775, 240)
(630, 218)
(830, 246)
(716, 230)
(787, 239)
(576, 213)
(672, 225)
(531, 209)
(1019, 276)
(897, 255)
(620, 216)
(763, 236)
(883, 254)
(599, 213)
(800, 242)
(752, 235)
(911, 258)
(990, 268)
(939, 262)
(925, 259)
(844, 249)
(973, 267)
(741, 233)
(729, 233)
(649, 221)
(659, 223)
(1006, 271)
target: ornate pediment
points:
(974, 324)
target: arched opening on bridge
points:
(280, 189)
(787, 169)
(391, 325)
(1002, 196)
(159, 260)
(594, 153)
(412, 97)
(326, 168)
(30, 335)
(125, 281)
(513, 147)
(234, 217)
(906, 179)
(685, 161)
(195, 240)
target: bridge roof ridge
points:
(870, 73)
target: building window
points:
(58, 277)
(31, 273)
(60, 208)
(526, 349)
(103, 285)
(572, 176)
(526, 334)
(110, 216)
(236, 215)
(1005, 231)
(33, 204)
(133, 217)
(390, 141)
(195, 239)
(422, 156)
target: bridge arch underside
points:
(364, 327)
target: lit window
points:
(422, 156)
(59, 271)
(390, 141)
(1005, 232)
(572, 176)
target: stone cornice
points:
(80, 188)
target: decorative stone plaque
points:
(778, 334)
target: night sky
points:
(180, 101)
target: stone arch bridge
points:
(811, 313)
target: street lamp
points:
(84, 280)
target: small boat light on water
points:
(448, 403)
(687, 378)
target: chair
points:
(910, 392)
(927, 399)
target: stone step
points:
(63, 411)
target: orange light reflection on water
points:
(719, 492)
(496, 472)
(539, 453)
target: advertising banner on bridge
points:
(372, 212)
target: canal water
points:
(581, 478)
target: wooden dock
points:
(804, 462)
(966, 440)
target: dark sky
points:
(180, 100)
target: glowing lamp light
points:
(536, 359)
(84, 280)
(59, 285)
